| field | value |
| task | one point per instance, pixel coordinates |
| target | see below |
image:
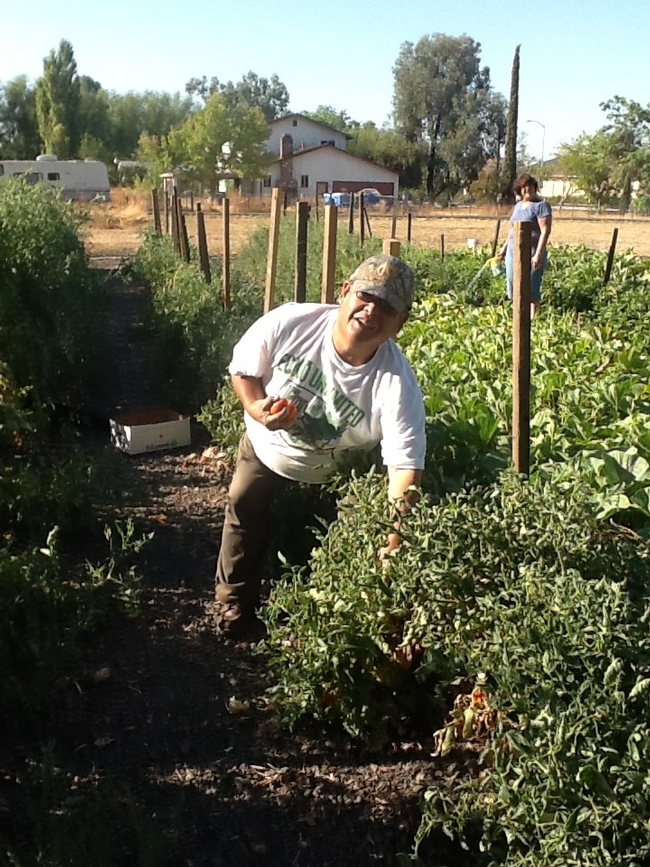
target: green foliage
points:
(48, 327)
(519, 583)
(72, 822)
(217, 139)
(18, 126)
(194, 335)
(443, 98)
(48, 605)
(57, 103)
(270, 96)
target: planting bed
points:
(176, 720)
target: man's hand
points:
(259, 405)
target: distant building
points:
(312, 160)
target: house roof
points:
(309, 150)
(313, 120)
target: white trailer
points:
(78, 180)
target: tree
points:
(390, 148)
(339, 120)
(216, 141)
(443, 98)
(608, 164)
(509, 174)
(19, 137)
(269, 95)
(57, 102)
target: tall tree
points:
(216, 141)
(18, 126)
(509, 173)
(270, 95)
(440, 98)
(57, 102)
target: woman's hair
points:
(522, 181)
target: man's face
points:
(368, 319)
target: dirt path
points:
(178, 719)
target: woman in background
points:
(530, 208)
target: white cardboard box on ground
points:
(150, 430)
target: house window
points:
(294, 123)
(53, 176)
(267, 181)
(304, 181)
(329, 141)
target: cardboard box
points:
(150, 430)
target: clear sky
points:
(574, 55)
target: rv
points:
(78, 180)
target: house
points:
(312, 160)
(554, 182)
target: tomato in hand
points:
(280, 404)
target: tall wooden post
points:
(225, 261)
(302, 219)
(393, 222)
(272, 256)
(521, 349)
(351, 215)
(155, 209)
(183, 239)
(442, 247)
(174, 221)
(409, 226)
(362, 225)
(328, 284)
(202, 243)
(610, 257)
(167, 212)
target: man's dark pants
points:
(246, 529)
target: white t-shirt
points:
(340, 407)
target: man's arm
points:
(256, 403)
(402, 494)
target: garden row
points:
(514, 615)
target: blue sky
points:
(574, 55)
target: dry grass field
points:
(115, 228)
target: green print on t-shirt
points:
(340, 411)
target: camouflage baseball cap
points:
(386, 277)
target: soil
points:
(179, 719)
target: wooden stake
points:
(610, 257)
(391, 247)
(409, 226)
(184, 240)
(174, 222)
(495, 240)
(351, 215)
(272, 256)
(225, 261)
(204, 259)
(302, 220)
(155, 208)
(521, 349)
(362, 225)
(367, 219)
(442, 248)
(393, 223)
(328, 284)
